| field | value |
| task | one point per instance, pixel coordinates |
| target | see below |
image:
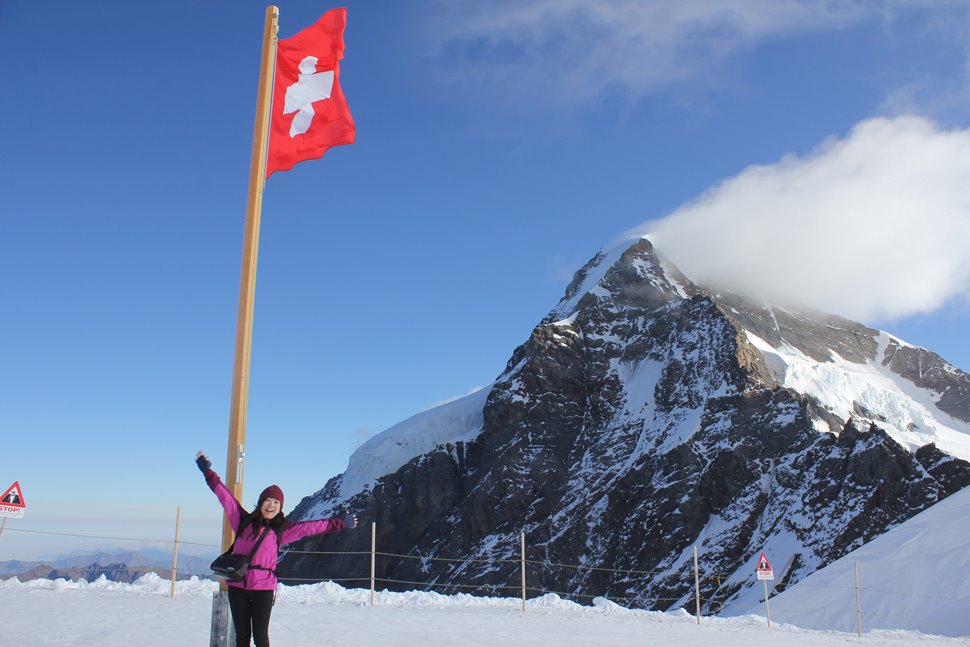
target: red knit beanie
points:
(272, 492)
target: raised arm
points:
(303, 529)
(234, 510)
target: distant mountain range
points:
(645, 415)
(118, 566)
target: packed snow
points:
(912, 588)
(45, 613)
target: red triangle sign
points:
(763, 564)
(13, 497)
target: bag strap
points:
(262, 536)
(255, 546)
(279, 536)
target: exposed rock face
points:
(645, 416)
(928, 370)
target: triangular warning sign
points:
(763, 564)
(13, 497)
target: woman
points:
(251, 600)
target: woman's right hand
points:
(203, 462)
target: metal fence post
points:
(523, 570)
(767, 606)
(697, 585)
(373, 555)
(175, 551)
(858, 606)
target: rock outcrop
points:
(647, 415)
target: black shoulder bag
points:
(232, 566)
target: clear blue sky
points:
(499, 145)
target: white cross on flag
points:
(312, 86)
(309, 113)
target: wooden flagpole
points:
(236, 450)
(221, 633)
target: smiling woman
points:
(259, 535)
(272, 498)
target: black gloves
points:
(204, 464)
(350, 521)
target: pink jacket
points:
(266, 555)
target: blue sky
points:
(499, 145)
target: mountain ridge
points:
(645, 415)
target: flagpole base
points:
(222, 632)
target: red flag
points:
(309, 113)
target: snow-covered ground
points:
(913, 583)
(109, 614)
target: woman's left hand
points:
(350, 521)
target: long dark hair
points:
(255, 520)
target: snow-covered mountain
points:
(143, 557)
(645, 415)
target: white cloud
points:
(534, 53)
(574, 49)
(872, 226)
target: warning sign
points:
(764, 568)
(12, 502)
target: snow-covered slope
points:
(869, 391)
(455, 421)
(65, 614)
(913, 577)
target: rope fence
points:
(522, 564)
(446, 559)
(138, 539)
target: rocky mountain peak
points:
(625, 274)
(646, 415)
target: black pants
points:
(250, 615)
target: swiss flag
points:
(309, 113)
